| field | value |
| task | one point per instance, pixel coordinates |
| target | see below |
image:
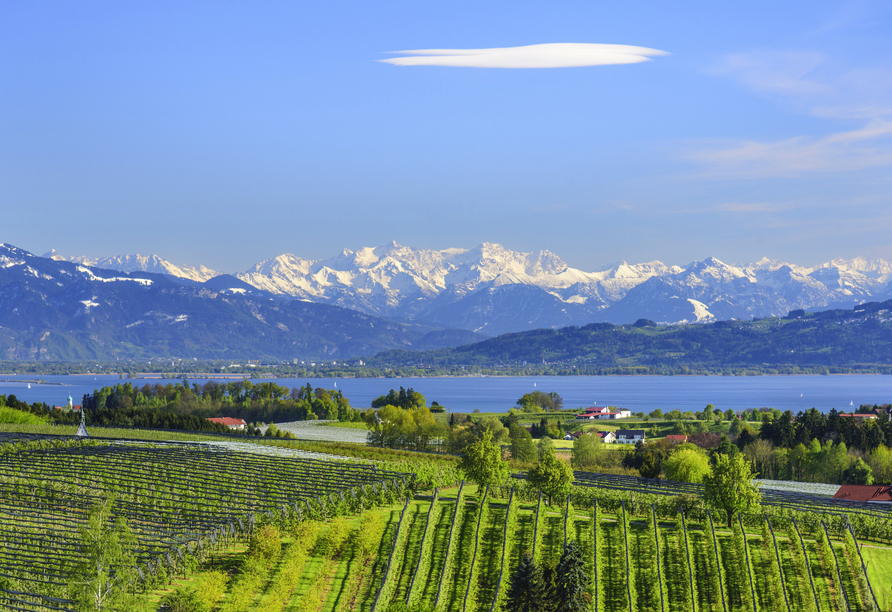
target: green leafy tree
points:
(880, 462)
(463, 434)
(537, 401)
(544, 447)
(730, 487)
(859, 473)
(687, 463)
(265, 545)
(552, 476)
(522, 446)
(407, 399)
(99, 577)
(571, 581)
(648, 457)
(586, 449)
(482, 462)
(525, 592)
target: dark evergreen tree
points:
(571, 581)
(525, 594)
(549, 594)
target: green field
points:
(424, 535)
(347, 541)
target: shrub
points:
(184, 599)
(265, 545)
(212, 587)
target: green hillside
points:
(858, 340)
(457, 554)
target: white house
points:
(629, 436)
(607, 437)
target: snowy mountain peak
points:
(497, 289)
(139, 263)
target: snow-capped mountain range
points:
(493, 290)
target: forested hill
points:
(858, 340)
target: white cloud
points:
(867, 147)
(552, 55)
(781, 72)
(818, 86)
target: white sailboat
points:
(29, 385)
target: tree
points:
(525, 591)
(408, 399)
(586, 449)
(758, 453)
(545, 447)
(537, 401)
(468, 432)
(687, 464)
(880, 462)
(837, 462)
(648, 457)
(730, 487)
(724, 447)
(860, 473)
(571, 581)
(552, 476)
(482, 462)
(522, 447)
(105, 565)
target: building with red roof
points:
(677, 438)
(230, 422)
(877, 494)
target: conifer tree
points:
(525, 593)
(571, 581)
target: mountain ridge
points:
(461, 287)
(66, 311)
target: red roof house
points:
(677, 438)
(230, 422)
(879, 494)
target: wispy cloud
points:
(867, 147)
(781, 72)
(816, 86)
(552, 55)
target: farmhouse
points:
(859, 417)
(607, 437)
(601, 412)
(230, 422)
(593, 413)
(629, 436)
(877, 494)
(677, 438)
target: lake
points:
(498, 394)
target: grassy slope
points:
(18, 417)
(335, 596)
(440, 535)
(127, 434)
(879, 568)
(411, 551)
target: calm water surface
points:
(497, 394)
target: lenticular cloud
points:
(553, 55)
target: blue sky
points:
(225, 133)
